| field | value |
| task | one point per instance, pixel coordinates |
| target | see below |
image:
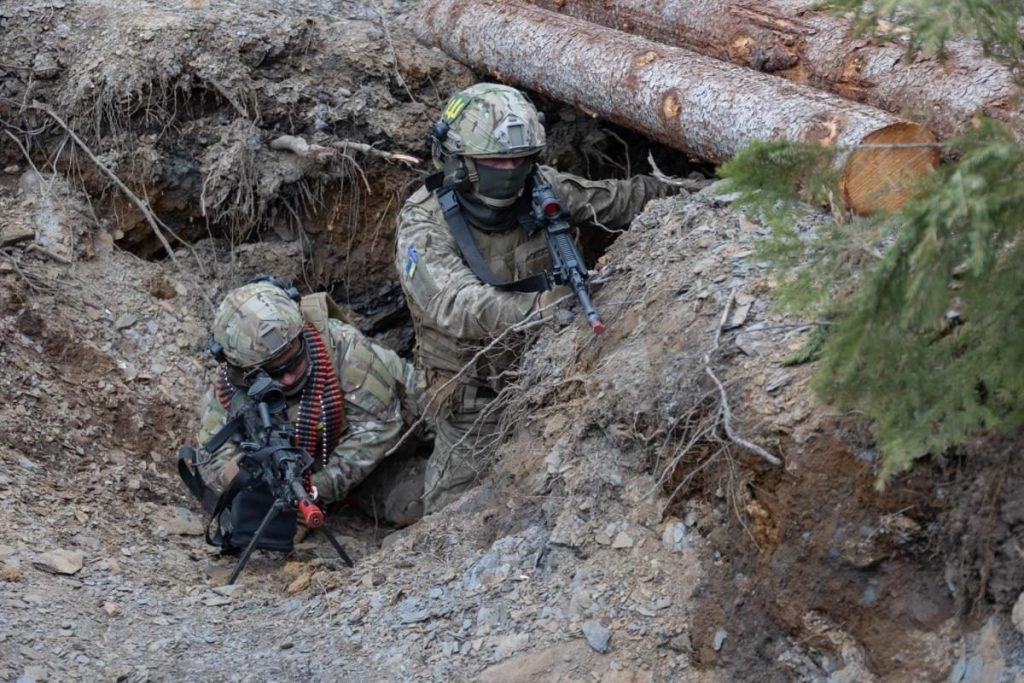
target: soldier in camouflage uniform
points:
(349, 399)
(487, 145)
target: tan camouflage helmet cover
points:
(256, 322)
(492, 120)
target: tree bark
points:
(680, 98)
(789, 39)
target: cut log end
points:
(879, 178)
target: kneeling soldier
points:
(349, 400)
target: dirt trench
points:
(698, 563)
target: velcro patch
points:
(412, 259)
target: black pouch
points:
(240, 520)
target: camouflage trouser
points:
(464, 434)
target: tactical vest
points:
(511, 255)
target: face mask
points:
(488, 218)
(502, 184)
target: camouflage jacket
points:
(454, 313)
(382, 395)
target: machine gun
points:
(271, 458)
(270, 484)
(567, 266)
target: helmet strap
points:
(456, 175)
(471, 173)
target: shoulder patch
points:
(412, 260)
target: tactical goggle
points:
(294, 358)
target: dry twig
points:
(141, 205)
(300, 147)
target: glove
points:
(331, 486)
(546, 300)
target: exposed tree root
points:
(154, 222)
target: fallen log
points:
(789, 39)
(683, 99)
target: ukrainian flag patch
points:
(412, 259)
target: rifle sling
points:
(193, 480)
(229, 429)
(189, 472)
(460, 230)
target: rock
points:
(60, 561)
(217, 601)
(33, 674)
(569, 530)
(739, 313)
(622, 540)
(45, 66)
(509, 645)
(753, 342)
(124, 321)
(178, 520)
(488, 572)
(1018, 614)
(720, 636)
(112, 609)
(605, 536)
(598, 637)
(553, 461)
(413, 610)
(230, 590)
(29, 465)
(777, 382)
(675, 537)
(12, 232)
(9, 573)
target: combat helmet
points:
(485, 121)
(488, 120)
(255, 322)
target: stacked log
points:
(685, 100)
(789, 39)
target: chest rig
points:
(448, 199)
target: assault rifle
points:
(567, 266)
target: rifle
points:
(268, 456)
(567, 266)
